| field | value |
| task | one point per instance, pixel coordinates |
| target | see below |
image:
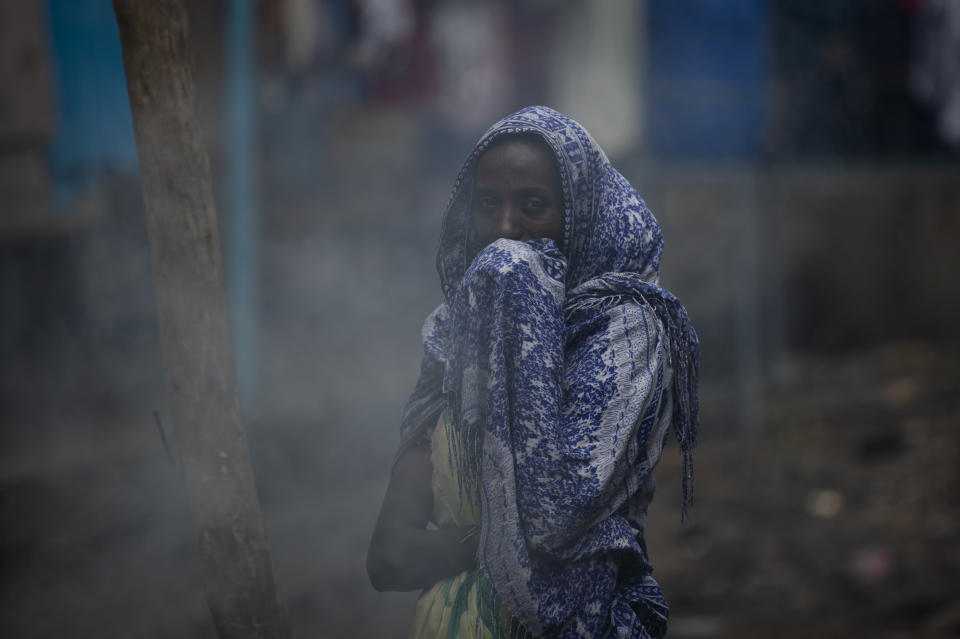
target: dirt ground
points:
(836, 516)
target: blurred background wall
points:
(801, 157)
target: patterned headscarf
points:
(563, 371)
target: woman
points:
(550, 379)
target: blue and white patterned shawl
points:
(564, 372)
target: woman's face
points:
(517, 194)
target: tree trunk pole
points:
(193, 321)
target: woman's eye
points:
(487, 202)
(534, 205)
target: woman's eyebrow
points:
(533, 190)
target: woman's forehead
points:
(519, 158)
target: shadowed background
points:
(801, 158)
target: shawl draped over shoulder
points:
(563, 371)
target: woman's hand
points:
(404, 554)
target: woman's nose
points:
(509, 226)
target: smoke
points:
(96, 537)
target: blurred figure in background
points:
(26, 112)
(935, 77)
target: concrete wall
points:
(796, 258)
(851, 254)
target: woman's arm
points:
(404, 554)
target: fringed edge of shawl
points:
(685, 351)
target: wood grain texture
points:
(194, 328)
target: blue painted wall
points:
(708, 74)
(94, 128)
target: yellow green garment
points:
(464, 606)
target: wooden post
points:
(194, 329)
